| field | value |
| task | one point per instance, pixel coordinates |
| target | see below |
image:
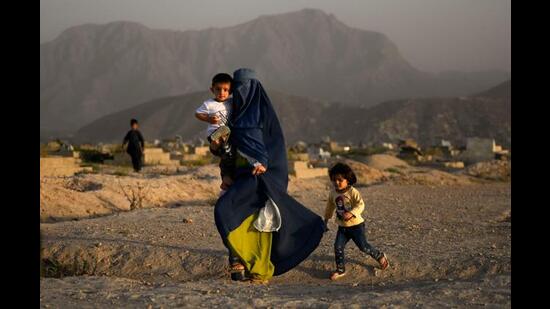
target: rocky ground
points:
(447, 237)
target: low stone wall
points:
(201, 150)
(59, 166)
(300, 169)
(151, 156)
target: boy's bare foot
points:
(337, 275)
(383, 261)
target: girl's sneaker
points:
(337, 275)
(383, 261)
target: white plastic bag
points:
(269, 218)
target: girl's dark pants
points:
(357, 234)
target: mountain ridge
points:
(94, 70)
(427, 120)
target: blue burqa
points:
(256, 132)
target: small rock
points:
(436, 279)
(257, 302)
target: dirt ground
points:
(448, 242)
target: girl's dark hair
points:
(344, 170)
(132, 121)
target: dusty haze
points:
(433, 35)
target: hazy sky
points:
(433, 35)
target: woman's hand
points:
(259, 169)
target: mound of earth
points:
(430, 177)
(491, 170)
(366, 174)
(92, 195)
(384, 162)
(110, 191)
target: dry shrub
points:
(135, 194)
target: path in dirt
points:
(448, 246)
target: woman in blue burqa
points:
(266, 231)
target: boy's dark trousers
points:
(227, 159)
(136, 160)
(357, 234)
(135, 147)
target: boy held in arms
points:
(349, 206)
(216, 112)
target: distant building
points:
(299, 147)
(316, 152)
(409, 150)
(334, 147)
(388, 146)
(482, 149)
(448, 149)
(409, 147)
(337, 147)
